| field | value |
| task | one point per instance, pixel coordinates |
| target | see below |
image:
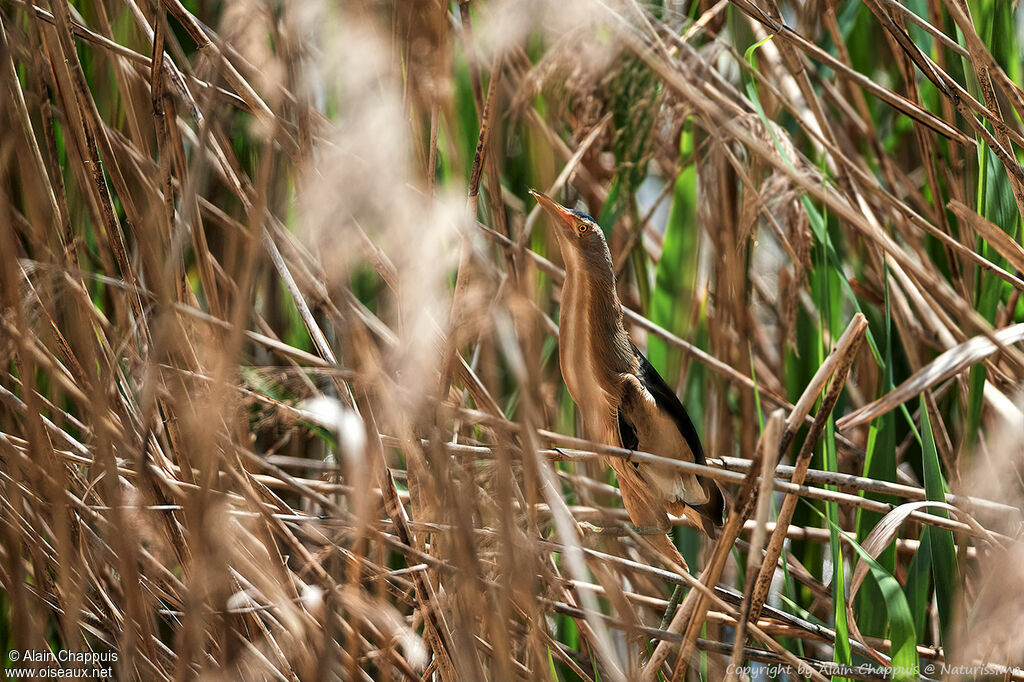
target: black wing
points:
(666, 400)
(626, 433)
(627, 436)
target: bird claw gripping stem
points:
(622, 529)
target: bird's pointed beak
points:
(561, 215)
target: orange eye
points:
(581, 227)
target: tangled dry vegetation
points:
(280, 394)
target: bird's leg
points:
(670, 610)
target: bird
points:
(622, 399)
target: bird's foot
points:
(623, 529)
(599, 530)
(646, 530)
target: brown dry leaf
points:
(888, 529)
(950, 363)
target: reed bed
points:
(280, 395)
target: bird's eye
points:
(581, 227)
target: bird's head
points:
(573, 228)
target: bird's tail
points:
(707, 516)
(704, 520)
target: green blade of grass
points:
(945, 573)
(880, 464)
(902, 632)
(675, 272)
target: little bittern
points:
(623, 401)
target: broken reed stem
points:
(843, 355)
